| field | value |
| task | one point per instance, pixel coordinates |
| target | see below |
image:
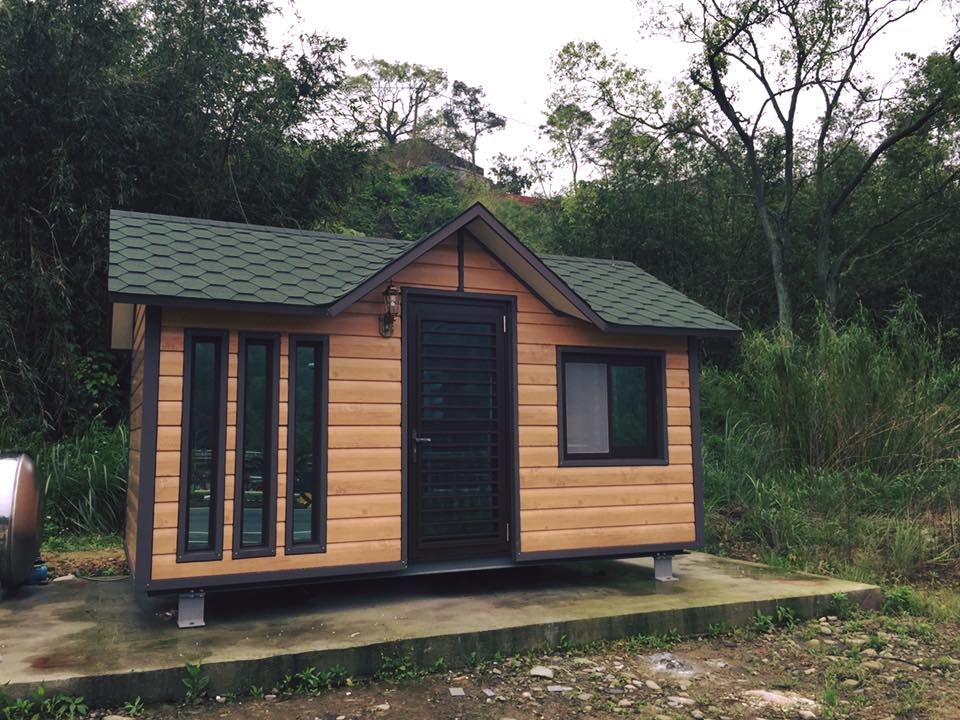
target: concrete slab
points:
(92, 638)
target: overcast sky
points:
(506, 46)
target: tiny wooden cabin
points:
(307, 405)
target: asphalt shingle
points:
(186, 258)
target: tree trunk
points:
(775, 243)
(828, 277)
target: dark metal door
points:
(458, 428)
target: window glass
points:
(256, 439)
(630, 416)
(306, 461)
(586, 408)
(204, 437)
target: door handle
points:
(417, 440)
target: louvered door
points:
(458, 428)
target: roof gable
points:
(166, 260)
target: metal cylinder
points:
(20, 519)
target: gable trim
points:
(477, 211)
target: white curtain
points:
(585, 399)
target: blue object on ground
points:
(38, 575)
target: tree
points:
(508, 175)
(759, 70)
(170, 106)
(572, 130)
(391, 100)
(467, 117)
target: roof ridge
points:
(249, 226)
(581, 258)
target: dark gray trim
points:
(320, 463)
(216, 553)
(460, 269)
(693, 352)
(143, 564)
(659, 357)
(657, 330)
(273, 577)
(406, 333)
(593, 553)
(269, 547)
(237, 306)
(397, 570)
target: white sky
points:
(506, 46)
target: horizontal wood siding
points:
(560, 508)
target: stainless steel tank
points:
(20, 508)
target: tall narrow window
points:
(306, 474)
(202, 451)
(612, 407)
(255, 495)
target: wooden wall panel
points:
(562, 508)
(135, 423)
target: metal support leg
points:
(663, 568)
(190, 609)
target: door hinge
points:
(504, 323)
(508, 532)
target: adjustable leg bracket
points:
(663, 568)
(190, 609)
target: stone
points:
(652, 685)
(625, 703)
(614, 691)
(382, 707)
(662, 717)
(697, 715)
(813, 643)
(872, 665)
(488, 692)
(586, 662)
(806, 715)
(110, 717)
(869, 652)
(851, 683)
(683, 685)
(541, 671)
(678, 700)
(809, 671)
(269, 696)
(457, 692)
(585, 697)
(826, 630)
(67, 578)
(559, 688)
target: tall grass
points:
(841, 450)
(84, 477)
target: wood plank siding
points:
(560, 508)
(136, 434)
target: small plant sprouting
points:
(256, 692)
(901, 600)
(195, 682)
(786, 618)
(52, 707)
(842, 606)
(656, 642)
(719, 630)
(133, 708)
(762, 623)
(398, 668)
(309, 681)
(565, 644)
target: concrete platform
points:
(92, 638)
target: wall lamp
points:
(391, 310)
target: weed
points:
(901, 600)
(398, 668)
(719, 630)
(841, 606)
(134, 708)
(195, 682)
(655, 642)
(41, 706)
(256, 692)
(762, 623)
(875, 642)
(910, 699)
(565, 644)
(785, 617)
(311, 681)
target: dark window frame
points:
(319, 443)
(656, 361)
(269, 546)
(218, 487)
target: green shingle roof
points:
(184, 259)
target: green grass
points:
(84, 477)
(74, 543)
(837, 454)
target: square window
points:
(612, 407)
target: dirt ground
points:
(88, 563)
(871, 667)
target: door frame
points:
(512, 454)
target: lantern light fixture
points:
(391, 310)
